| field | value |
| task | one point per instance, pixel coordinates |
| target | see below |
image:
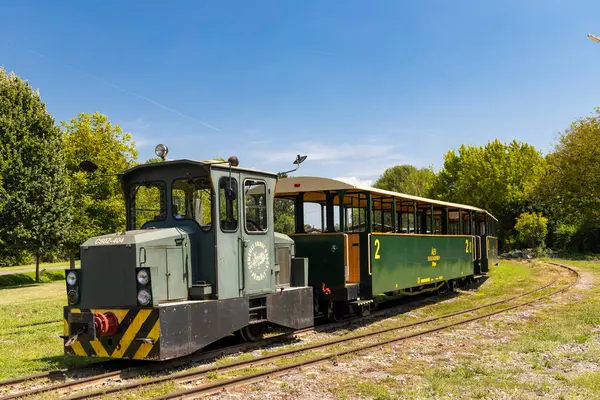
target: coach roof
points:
(287, 187)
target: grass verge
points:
(28, 279)
(42, 265)
(483, 369)
(32, 349)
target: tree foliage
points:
(99, 206)
(573, 181)
(571, 188)
(498, 177)
(35, 204)
(283, 214)
(406, 179)
(490, 176)
(532, 229)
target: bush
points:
(532, 229)
(564, 236)
(10, 257)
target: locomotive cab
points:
(199, 260)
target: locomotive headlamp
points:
(143, 277)
(161, 151)
(73, 297)
(144, 297)
(71, 278)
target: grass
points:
(547, 346)
(554, 352)
(28, 279)
(42, 265)
(29, 350)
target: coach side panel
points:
(403, 261)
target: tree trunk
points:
(37, 267)
(71, 261)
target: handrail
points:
(346, 257)
(480, 252)
(369, 254)
(243, 263)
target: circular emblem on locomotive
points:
(258, 261)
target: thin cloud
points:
(330, 152)
(353, 180)
(135, 125)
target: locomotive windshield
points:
(191, 199)
(147, 203)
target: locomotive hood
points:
(133, 237)
(110, 263)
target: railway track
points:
(215, 387)
(114, 368)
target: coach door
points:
(257, 241)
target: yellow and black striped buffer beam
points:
(137, 335)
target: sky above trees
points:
(358, 86)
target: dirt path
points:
(487, 359)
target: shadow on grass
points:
(74, 364)
(15, 281)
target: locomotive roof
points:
(204, 163)
(287, 187)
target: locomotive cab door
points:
(228, 226)
(257, 234)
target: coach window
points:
(255, 197)
(191, 199)
(228, 204)
(147, 203)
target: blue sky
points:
(357, 85)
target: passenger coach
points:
(373, 241)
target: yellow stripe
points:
(78, 349)
(98, 348)
(130, 333)
(145, 348)
(66, 327)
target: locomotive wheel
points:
(253, 333)
(339, 311)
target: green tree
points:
(283, 210)
(532, 229)
(571, 188)
(153, 160)
(406, 179)
(283, 214)
(499, 177)
(98, 207)
(35, 204)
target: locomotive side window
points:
(228, 204)
(255, 197)
(191, 199)
(148, 203)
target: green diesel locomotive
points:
(200, 259)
